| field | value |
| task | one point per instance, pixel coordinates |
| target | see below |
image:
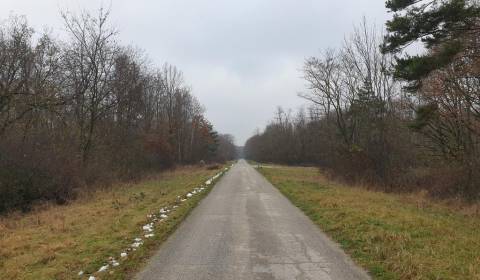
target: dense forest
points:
(399, 110)
(86, 110)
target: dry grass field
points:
(394, 236)
(57, 242)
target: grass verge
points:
(60, 241)
(393, 236)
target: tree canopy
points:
(440, 25)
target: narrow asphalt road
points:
(246, 229)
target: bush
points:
(22, 183)
(213, 167)
(35, 169)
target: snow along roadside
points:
(148, 230)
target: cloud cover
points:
(241, 58)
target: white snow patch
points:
(123, 255)
(138, 242)
(148, 228)
(136, 245)
(91, 278)
(103, 268)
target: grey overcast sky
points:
(241, 58)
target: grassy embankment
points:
(59, 241)
(393, 236)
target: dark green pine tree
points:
(367, 105)
(441, 25)
(213, 144)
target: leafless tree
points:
(89, 67)
(86, 109)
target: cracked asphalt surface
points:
(246, 229)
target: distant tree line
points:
(86, 110)
(226, 148)
(376, 115)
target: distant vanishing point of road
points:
(246, 229)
